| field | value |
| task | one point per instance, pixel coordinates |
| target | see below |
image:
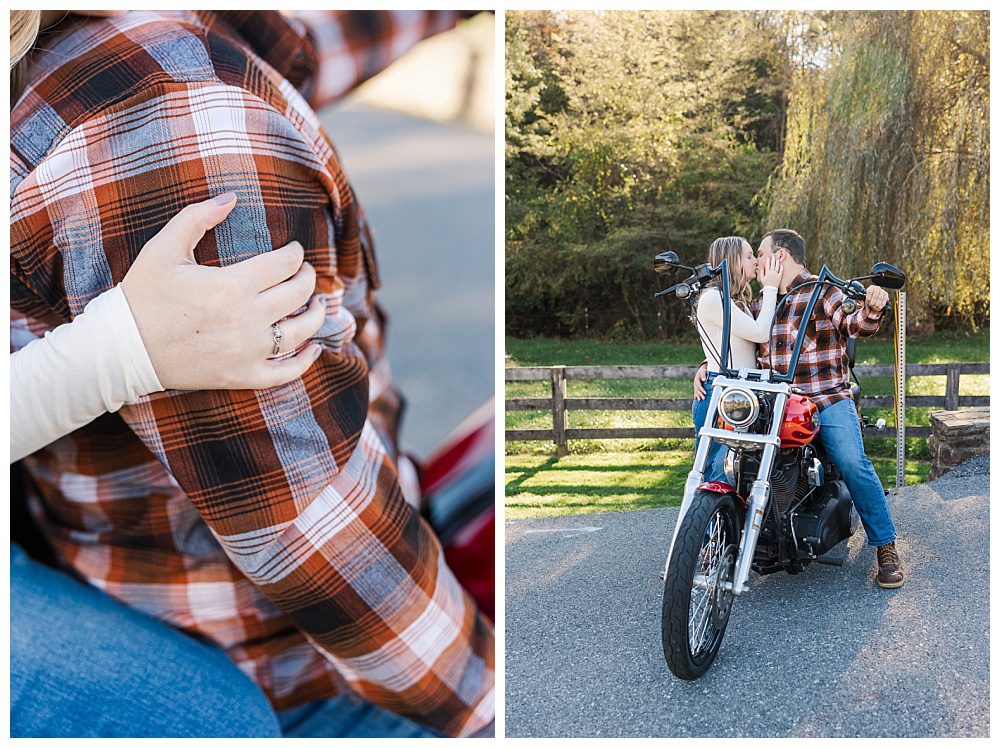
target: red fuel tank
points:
(801, 422)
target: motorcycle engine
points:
(787, 480)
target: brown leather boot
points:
(890, 569)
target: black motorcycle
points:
(784, 504)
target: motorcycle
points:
(784, 505)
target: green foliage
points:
(887, 155)
(627, 133)
(541, 485)
(633, 132)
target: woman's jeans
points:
(840, 432)
(84, 665)
(715, 466)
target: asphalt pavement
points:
(427, 189)
(826, 653)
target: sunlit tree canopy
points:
(632, 132)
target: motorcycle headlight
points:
(738, 407)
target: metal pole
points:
(900, 388)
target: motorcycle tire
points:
(694, 619)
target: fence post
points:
(559, 419)
(951, 386)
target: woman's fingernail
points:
(225, 198)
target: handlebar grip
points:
(676, 288)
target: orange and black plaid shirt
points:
(823, 372)
(270, 522)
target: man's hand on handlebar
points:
(876, 298)
(699, 382)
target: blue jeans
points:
(341, 717)
(84, 665)
(840, 432)
(715, 467)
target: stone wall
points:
(956, 436)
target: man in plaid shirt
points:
(270, 522)
(823, 374)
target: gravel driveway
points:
(826, 653)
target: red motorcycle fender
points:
(718, 486)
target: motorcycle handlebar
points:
(683, 290)
(852, 287)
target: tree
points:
(628, 132)
(887, 155)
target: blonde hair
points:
(24, 26)
(731, 248)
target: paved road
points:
(823, 654)
(427, 188)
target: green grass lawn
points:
(619, 474)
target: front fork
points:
(759, 492)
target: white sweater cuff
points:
(115, 313)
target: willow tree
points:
(887, 154)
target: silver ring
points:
(276, 336)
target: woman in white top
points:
(745, 330)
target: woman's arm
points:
(76, 372)
(742, 325)
(99, 362)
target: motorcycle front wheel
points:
(696, 603)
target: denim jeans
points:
(840, 432)
(715, 467)
(84, 665)
(341, 717)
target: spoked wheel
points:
(696, 602)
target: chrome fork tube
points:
(697, 475)
(759, 494)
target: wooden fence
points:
(560, 404)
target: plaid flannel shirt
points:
(822, 373)
(270, 522)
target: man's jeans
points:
(715, 467)
(840, 431)
(84, 665)
(341, 717)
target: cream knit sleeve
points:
(77, 372)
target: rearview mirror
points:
(665, 262)
(887, 276)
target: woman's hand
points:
(211, 328)
(700, 378)
(771, 273)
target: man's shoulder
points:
(802, 287)
(104, 58)
(91, 65)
